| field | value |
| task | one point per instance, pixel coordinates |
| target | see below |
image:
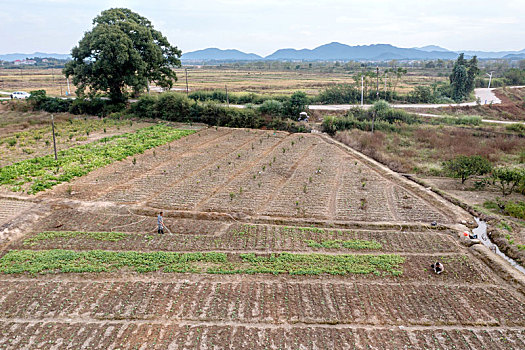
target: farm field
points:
(240, 79)
(273, 241)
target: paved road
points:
(485, 95)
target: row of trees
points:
(507, 179)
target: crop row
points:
(250, 191)
(196, 166)
(48, 335)
(52, 261)
(218, 172)
(45, 172)
(265, 301)
(72, 236)
(213, 235)
(120, 335)
(117, 175)
(123, 221)
(9, 208)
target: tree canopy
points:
(123, 51)
(463, 76)
(463, 167)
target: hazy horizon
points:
(264, 26)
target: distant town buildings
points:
(28, 62)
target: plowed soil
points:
(262, 192)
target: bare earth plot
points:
(276, 241)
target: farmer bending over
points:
(438, 267)
(160, 223)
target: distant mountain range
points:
(21, 56)
(218, 54)
(327, 52)
(338, 51)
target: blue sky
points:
(263, 26)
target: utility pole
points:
(490, 78)
(377, 91)
(386, 77)
(54, 139)
(227, 99)
(362, 88)
(187, 90)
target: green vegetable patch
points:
(40, 173)
(63, 261)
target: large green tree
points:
(462, 78)
(122, 52)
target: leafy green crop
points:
(45, 172)
(98, 236)
(57, 260)
(348, 244)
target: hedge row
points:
(178, 108)
(386, 119)
(95, 106)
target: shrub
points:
(516, 127)
(508, 179)
(145, 107)
(271, 107)
(421, 94)
(95, 106)
(339, 94)
(463, 167)
(515, 209)
(173, 107)
(296, 104)
(393, 115)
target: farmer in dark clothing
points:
(438, 267)
(160, 223)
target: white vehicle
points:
(19, 95)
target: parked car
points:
(20, 95)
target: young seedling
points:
(134, 161)
(232, 196)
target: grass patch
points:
(97, 236)
(45, 172)
(504, 225)
(64, 261)
(348, 244)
